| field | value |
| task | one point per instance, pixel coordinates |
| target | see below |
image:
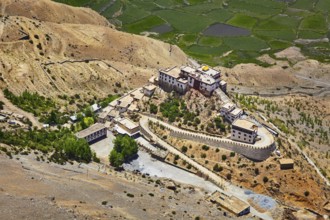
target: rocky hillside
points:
(41, 50)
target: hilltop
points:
(82, 53)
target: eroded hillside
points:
(76, 55)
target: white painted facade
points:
(231, 112)
(204, 79)
(244, 131)
(234, 114)
(170, 79)
(94, 132)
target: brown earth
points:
(38, 190)
(75, 56)
(289, 72)
(47, 10)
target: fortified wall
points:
(254, 152)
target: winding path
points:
(217, 180)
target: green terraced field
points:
(273, 24)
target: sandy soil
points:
(42, 52)
(42, 190)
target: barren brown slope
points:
(46, 10)
(54, 58)
(38, 190)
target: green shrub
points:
(184, 149)
(124, 149)
(153, 108)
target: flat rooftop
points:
(90, 130)
(242, 123)
(174, 72)
(222, 82)
(125, 101)
(228, 106)
(207, 79)
(150, 87)
(286, 161)
(128, 123)
(236, 111)
(103, 115)
(188, 69)
(137, 94)
(231, 203)
(208, 71)
(113, 113)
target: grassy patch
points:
(306, 34)
(304, 4)
(286, 35)
(314, 22)
(145, 24)
(110, 11)
(184, 22)
(241, 20)
(323, 5)
(245, 43)
(273, 23)
(219, 15)
(276, 44)
(209, 41)
(187, 40)
(74, 2)
(132, 13)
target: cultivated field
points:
(271, 25)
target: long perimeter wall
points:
(255, 152)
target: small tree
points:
(124, 149)
(224, 157)
(205, 147)
(184, 149)
(153, 108)
(306, 193)
(256, 171)
(265, 179)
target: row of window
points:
(234, 131)
(239, 137)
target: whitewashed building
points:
(203, 79)
(227, 107)
(93, 133)
(149, 90)
(124, 103)
(231, 112)
(244, 131)
(223, 86)
(234, 114)
(126, 126)
(171, 80)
